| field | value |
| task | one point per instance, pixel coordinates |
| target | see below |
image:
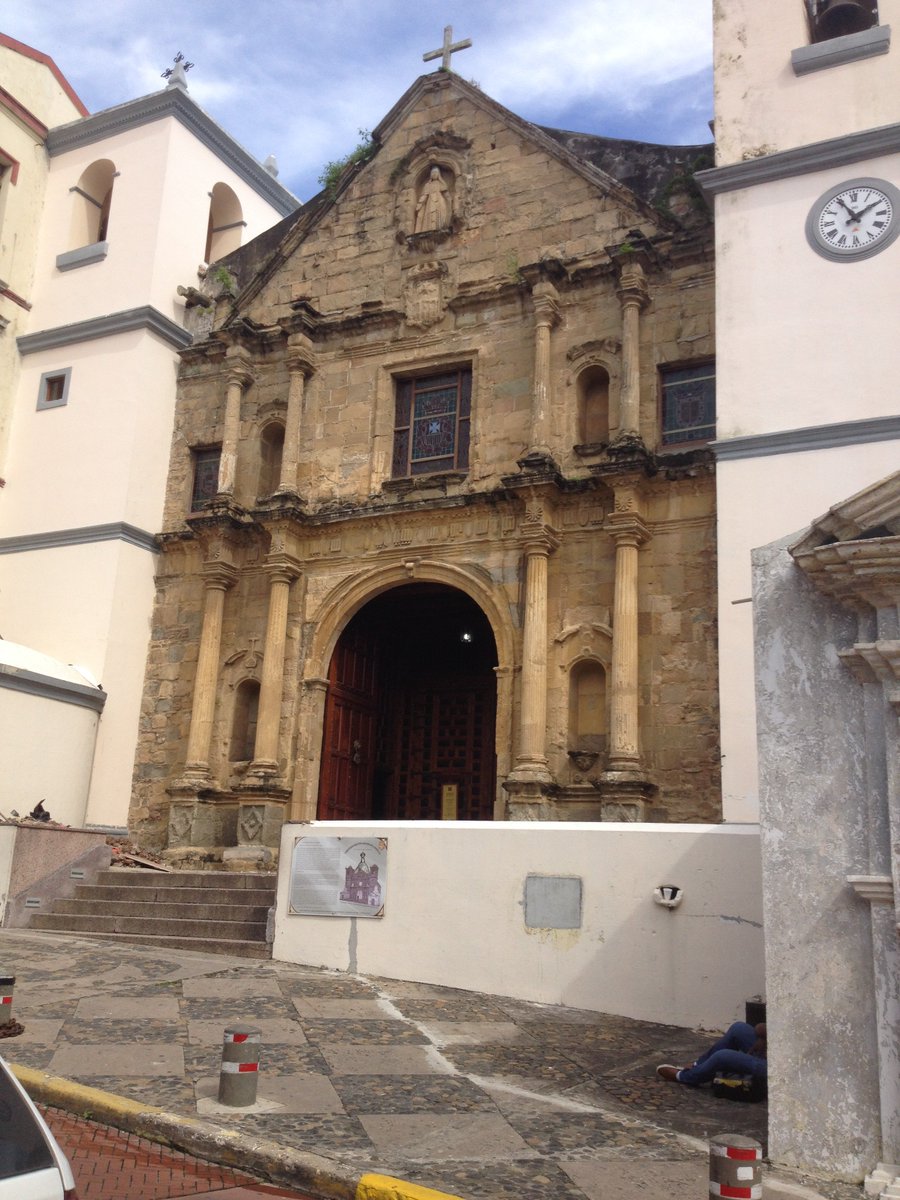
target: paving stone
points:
(224, 987)
(359, 1010)
(156, 1007)
(454, 1136)
(475, 1033)
(124, 1059)
(273, 1031)
(383, 1060)
(290, 1093)
(638, 1179)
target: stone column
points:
(282, 570)
(237, 378)
(628, 532)
(531, 760)
(306, 778)
(634, 297)
(219, 577)
(546, 315)
(301, 366)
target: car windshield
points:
(22, 1145)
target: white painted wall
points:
(46, 748)
(762, 106)
(454, 915)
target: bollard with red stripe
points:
(735, 1168)
(240, 1066)
(7, 983)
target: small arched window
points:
(243, 724)
(271, 452)
(93, 198)
(588, 729)
(593, 406)
(225, 225)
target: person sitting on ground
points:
(742, 1051)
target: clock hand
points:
(874, 204)
(843, 204)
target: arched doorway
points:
(411, 710)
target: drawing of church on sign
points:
(361, 884)
(440, 509)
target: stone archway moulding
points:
(333, 616)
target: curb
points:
(322, 1177)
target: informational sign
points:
(338, 877)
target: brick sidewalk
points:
(111, 1165)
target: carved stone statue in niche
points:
(433, 208)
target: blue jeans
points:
(726, 1056)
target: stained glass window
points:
(432, 426)
(688, 404)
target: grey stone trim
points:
(35, 684)
(115, 531)
(802, 160)
(82, 256)
(173, 102)
(43, 404)
(145, 317)
(849, 48)
(815, 437)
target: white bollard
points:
(735, 1166)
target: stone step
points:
(253, 897)
(147, 926)
(168, 907)
(238, 948)
(144, 877)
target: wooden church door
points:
(410, 711)
(349, 744)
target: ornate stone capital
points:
(283, 568)
(546, 303)
(626, 528)
(301, 355)
(633, 290)
(219, 575)
(238, 370)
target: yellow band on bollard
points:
(386, 1187)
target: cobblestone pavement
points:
(109, 1165)
(476, 1095)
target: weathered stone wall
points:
(374, 300)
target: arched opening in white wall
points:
(226, 223)
(92, 199)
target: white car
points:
(32, 1166)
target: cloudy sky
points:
(300, 78)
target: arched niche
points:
(226, 223)
(244, 717)
(271, 452)
(593, 391)
(92, 202)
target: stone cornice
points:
(871, 661)
(850, 47)
(877, 889)
(83, 536)
(856, 574)
(173, 102)
(801, 160)
(145, 317)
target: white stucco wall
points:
(47, 748)
(762, 106)
(454, 915)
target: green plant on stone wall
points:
(333, 171)
(224, 278)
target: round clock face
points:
(854, 220)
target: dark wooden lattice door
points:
(445, 735)
(350, 731)
(411, 709)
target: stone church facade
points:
(440, 524)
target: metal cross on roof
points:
(179, 62)
(449, 47)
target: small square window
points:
(206, 476)
(431, 429)
(54, 389)
(688, 404)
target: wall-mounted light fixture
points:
(669, 895)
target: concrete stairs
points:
(216, 912)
